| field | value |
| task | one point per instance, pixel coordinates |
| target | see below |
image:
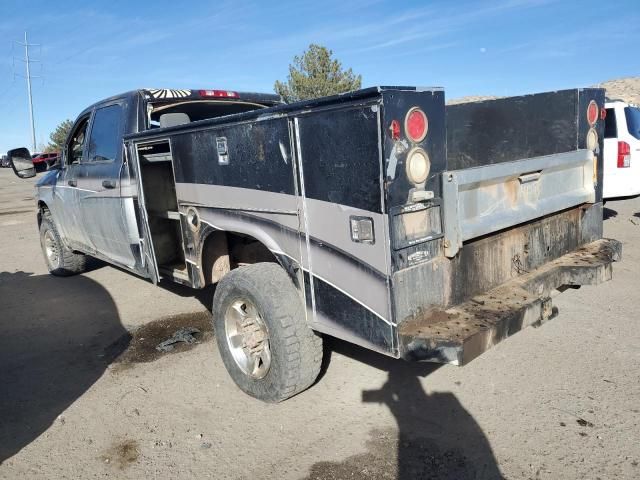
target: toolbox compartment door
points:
(483, 200)
(148, 267)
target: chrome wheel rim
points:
(51, 248)
(248, 338)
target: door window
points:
(76, 146)
(106, 134)
(632, 115)
(610, 129)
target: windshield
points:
(632, 115)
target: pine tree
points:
(315, 74)
(59, 136)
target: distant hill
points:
(627, 89)
(470, 98)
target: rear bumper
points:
(458, 334)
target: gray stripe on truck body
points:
(361, 283)
(329, 221)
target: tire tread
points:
(71, 263)
(302, 346)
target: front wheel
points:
(60, 260)
(265, 344)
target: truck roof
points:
(159, 95)
(170, 95)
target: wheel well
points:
(42, 207)
(224, 251)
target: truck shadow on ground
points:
(608, 213)
(203, 295)
(59, 336)
(436, 438)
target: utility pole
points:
(28, 62)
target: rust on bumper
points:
(460, 333)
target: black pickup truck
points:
(379, 216)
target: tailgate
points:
(483, 200)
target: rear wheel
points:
(59, 259)
(265, 344)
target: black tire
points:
(66, 262)
(295, 349)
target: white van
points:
(621, 150)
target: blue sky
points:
(91, 50)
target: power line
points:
(79, 52)
(7, 90)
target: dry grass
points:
(470, 98)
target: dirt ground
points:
(84, 394)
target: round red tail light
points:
(592, 112)
(416, 124)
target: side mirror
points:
(20, 160)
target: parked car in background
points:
(4, 161)
(53, 158)
(621, 150)
(42, 161)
